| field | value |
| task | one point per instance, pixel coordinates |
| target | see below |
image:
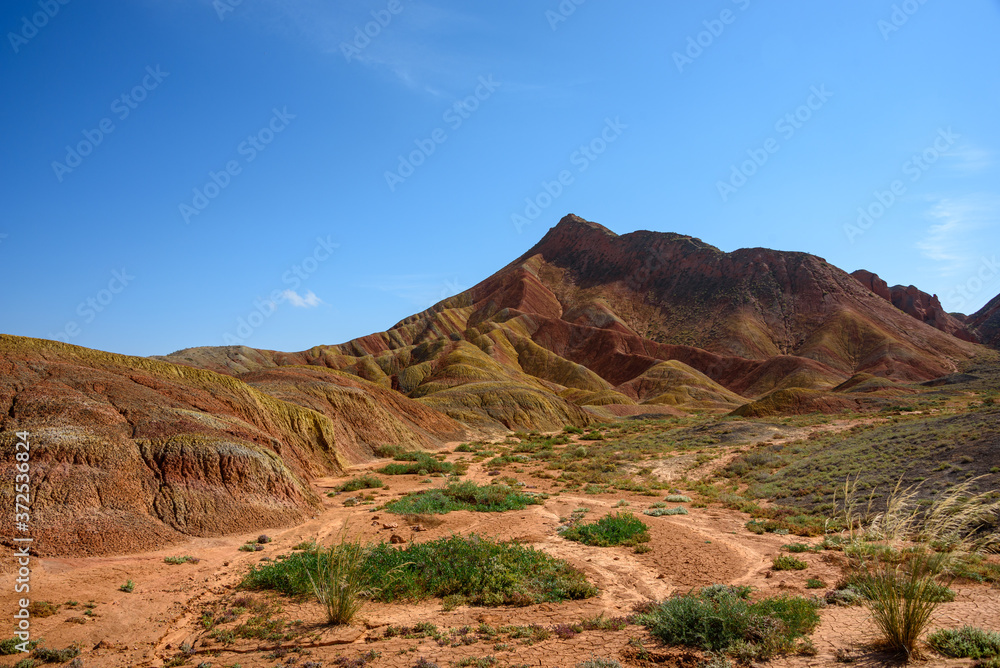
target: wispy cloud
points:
(422, 46)
(968, 159)
(421, 290)
(310, 299)
(951, 239)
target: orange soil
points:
(147, 627)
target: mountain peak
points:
(572, 221)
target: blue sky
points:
(179, 173)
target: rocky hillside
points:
(131, 453)
(919, 305)
(985, 323)
(590, 323)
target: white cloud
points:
(952, 239)
(310, 299)
(421, 290)
(968, 159)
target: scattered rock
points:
(396, 539)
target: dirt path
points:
(148, 626)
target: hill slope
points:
(590, 318)
(130, 453)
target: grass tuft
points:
(788, 563)
(621, 528)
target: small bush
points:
(593, 435)
(128, 587)
(967, 642)
(720, 619)
(599, 662)
(602, 623)
(815, 583)
(787, 563)
(181, 560)
(56, 655)
(42, 608)
(678, 498)
(798, 548)
(570, 429)
(845, 596)
(366, 481)
(419, 463)
(659, 512)
(621, 528)
(252, 546)
(263, 539)
(463, 496)
(9, 646)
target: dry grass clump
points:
(898, 555)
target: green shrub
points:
(128, 587)
(798, 548)
(366, 481)
(181, 560)
(788, 563)
(678, 498)
(815, 583)
(483, 571)
(967, 642)
(9, 646)
(720, 619)
(56, 655)
(463, 496)
(599, 662)
(659, 512)
(621, 528)
(417, 463)
(570, 429)
(845, 596)
(592, 435)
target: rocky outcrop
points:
(927, 308)
(918, 305)
(873, 283)
(985, 323)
